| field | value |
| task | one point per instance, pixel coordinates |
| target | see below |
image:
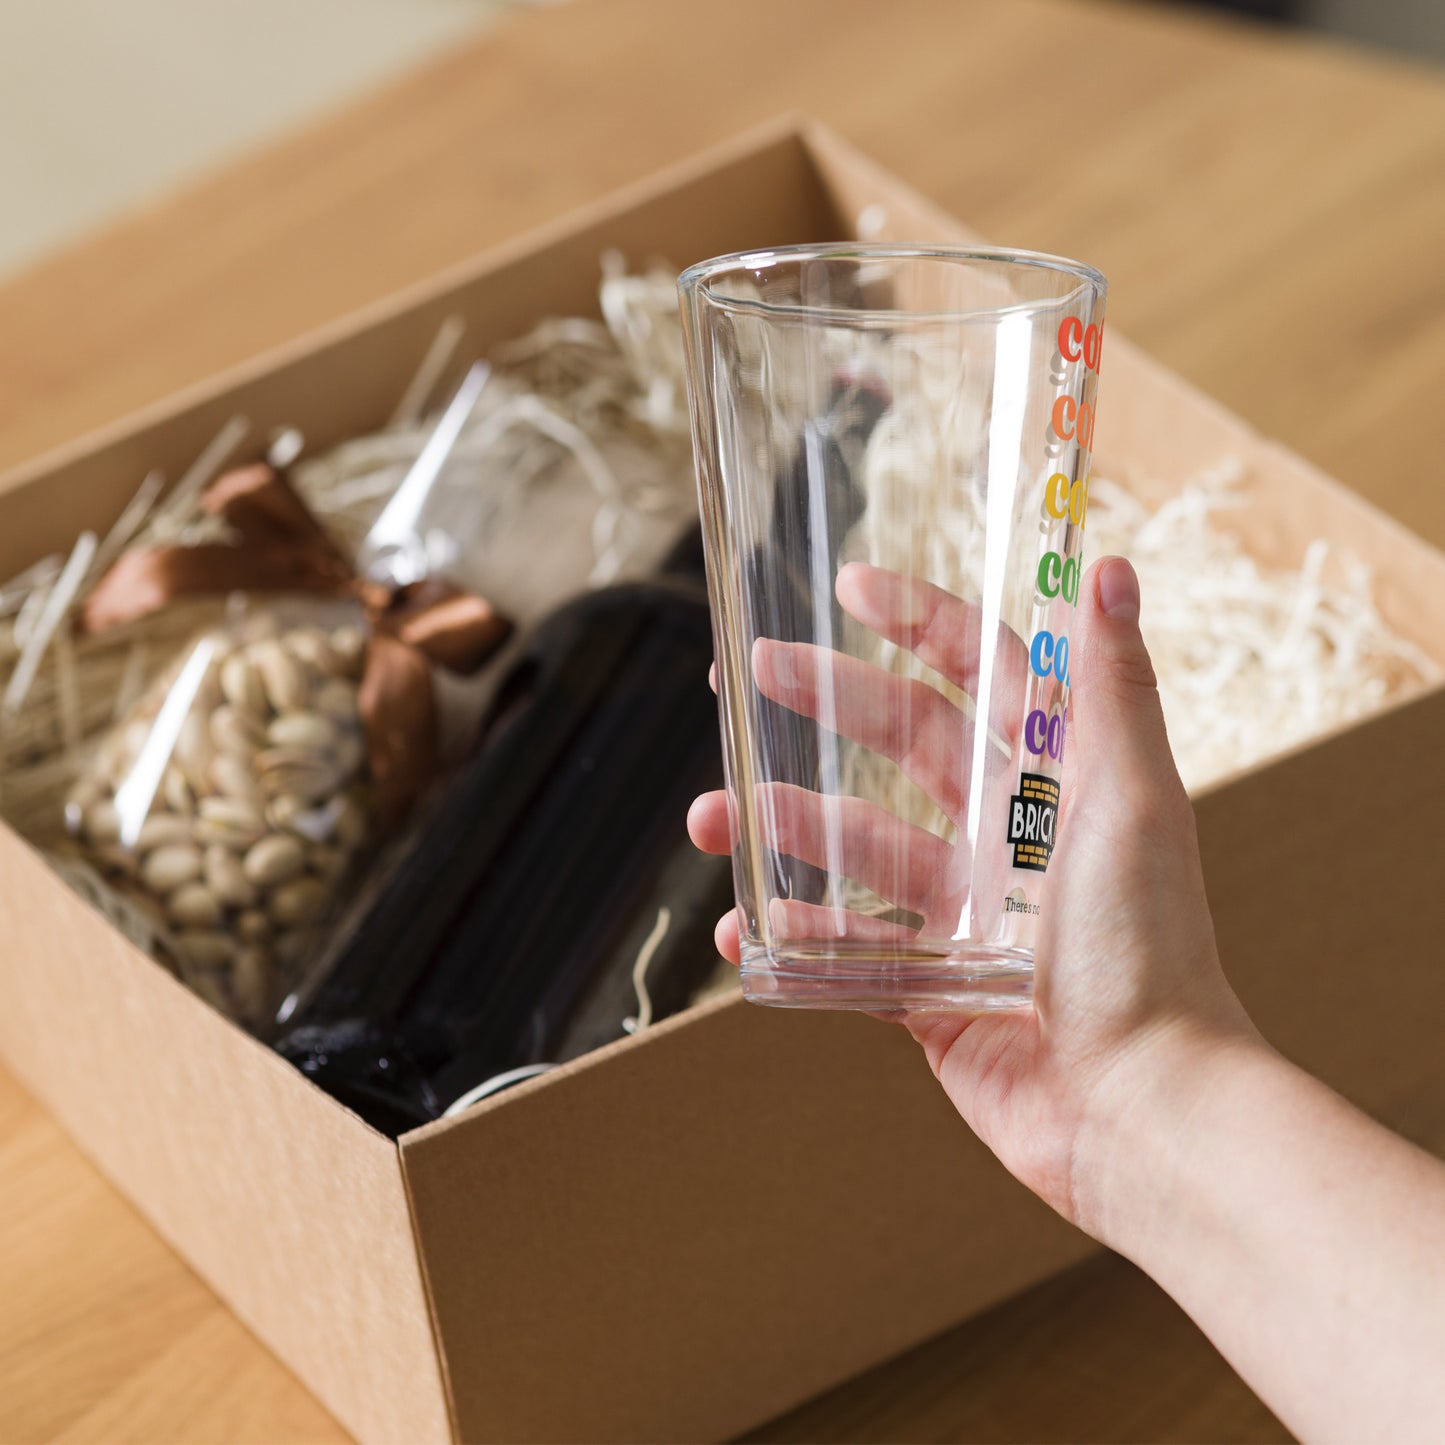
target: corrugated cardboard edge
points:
(353, 1370)
(292, 1210)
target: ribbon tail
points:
(280, 548)
(398, 716)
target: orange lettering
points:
(1071, 336)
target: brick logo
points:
(1033, 816)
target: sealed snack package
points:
(235, 801)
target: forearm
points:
(1307, 1241)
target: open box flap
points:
(577, 1231)
(290, 1207)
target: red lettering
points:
(1078, 343)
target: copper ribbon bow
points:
(282, 548)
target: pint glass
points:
(892, 448)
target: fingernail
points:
(1119, 590)
(851, 590)
(777, 661)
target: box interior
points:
(568, 1283)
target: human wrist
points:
(1133, 1143)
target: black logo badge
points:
(1033, 816)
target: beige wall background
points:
(105, 104)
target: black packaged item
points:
(833, 447)
(553, 901)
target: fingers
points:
(708, 822)
(900, 717)
(793, 922)
(858, 840)
(903, 718)
(847, 836)
(941, 630)
(727, 937)
(1117, 739)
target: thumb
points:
(1116, 723)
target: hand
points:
(1127, 974)
(1136, 1097)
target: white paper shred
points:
(1251, 660)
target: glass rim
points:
(696, 279)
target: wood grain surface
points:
(1270, 212)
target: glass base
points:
(969, 979)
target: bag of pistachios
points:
(235, 800)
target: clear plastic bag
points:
(234, 803)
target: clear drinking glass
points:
(893, 448)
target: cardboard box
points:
(694, 1229)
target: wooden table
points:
(1270, 213)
